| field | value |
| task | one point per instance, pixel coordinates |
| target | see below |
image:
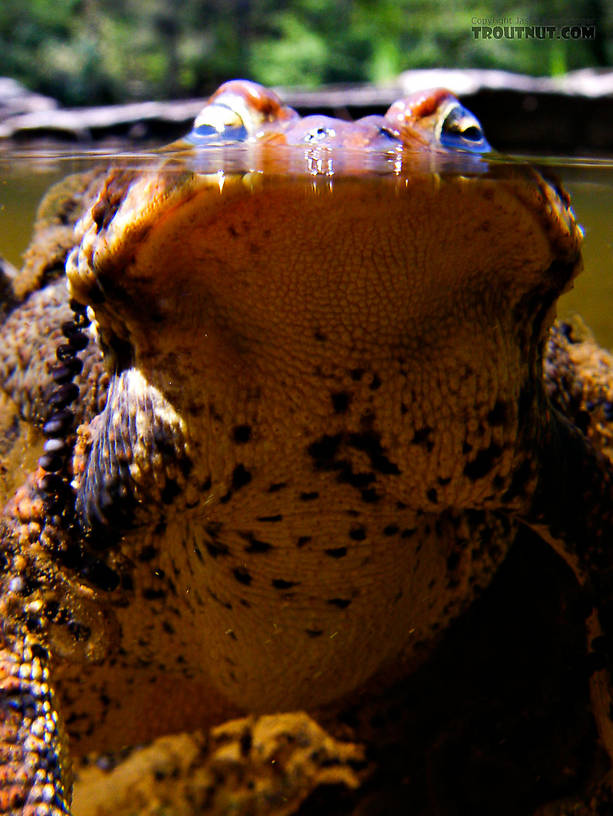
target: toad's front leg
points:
(45, 618)
(35, 776)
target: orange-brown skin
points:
(314, 440)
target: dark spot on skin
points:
(408, 532)
(443, 480)
(324, 450)
(280, 583)
(340, 603)
(466, 447)
(432, 495)
(320, 336)
(499, 414)
(276, 486)
(151, 594)
(340, 402)
(309, 496)
(484, 461)
(206, 485)
(303, 540)
(217, 599)
(168, 628)
(226, 497)
(240, 477)
(148, 553)
(336, 552)
(278, 517)
(216, 548)
(376, 383)
(101, 575)
(403, 409)
(369, 443)
(390, 530)
(213, 528)
(241, 434)
(357, 533)
(171, 491)
(422, 437)
(255, 545)
(356, 374)
(348, 476)
(242, 575)
(370, 496)
(313, 633)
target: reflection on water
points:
(25, 176)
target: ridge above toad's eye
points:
(460, 130)
(218, 123)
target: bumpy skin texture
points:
(311, 416)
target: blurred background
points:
(92, 52)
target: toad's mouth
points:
(255, 265)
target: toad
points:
(278, 419)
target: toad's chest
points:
(298, 600)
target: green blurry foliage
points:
(86, 52)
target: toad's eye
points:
(217, 124)
(460, 130)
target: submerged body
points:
(310, 417)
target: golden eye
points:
(460, 130)
(217, 123)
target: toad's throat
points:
(285, 262)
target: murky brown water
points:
(24, 180)
(592, 297)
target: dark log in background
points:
(569, 115)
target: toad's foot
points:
(256, 766)
(35, 762)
